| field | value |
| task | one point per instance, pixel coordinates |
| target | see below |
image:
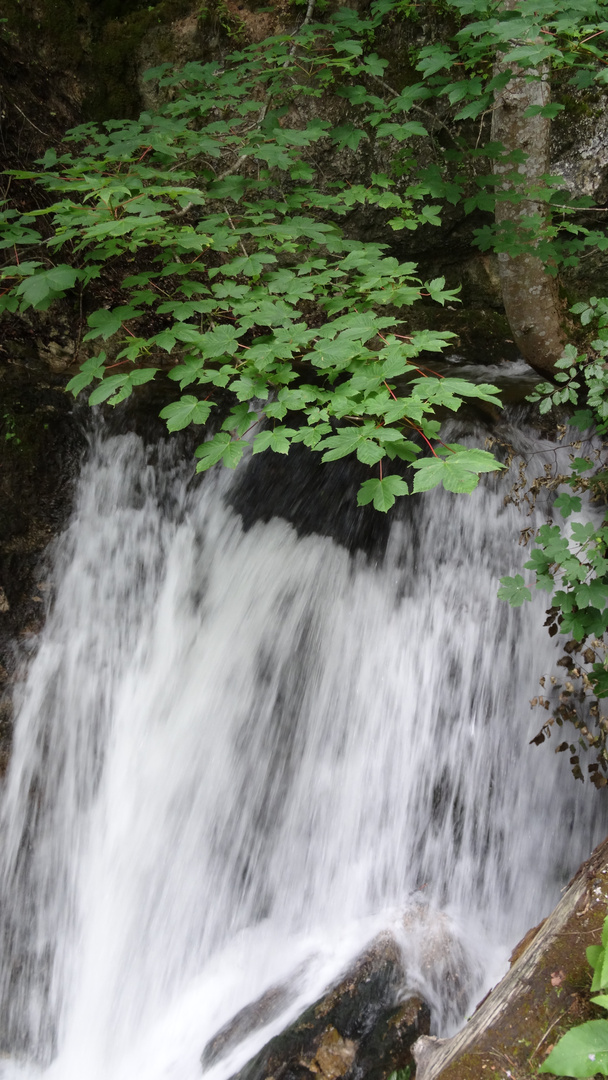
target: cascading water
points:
(239, 754)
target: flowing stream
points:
(240, 753)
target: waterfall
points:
(239, 753)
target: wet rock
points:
(247, 1020)
(41, 445)
(361, 1027)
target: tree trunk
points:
(529, 293)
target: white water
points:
(239, 755)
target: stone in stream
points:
(362, 1026)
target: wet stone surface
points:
(359, 1028)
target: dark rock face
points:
(360, 1028)
(314, 498)
(41, 445)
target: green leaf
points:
(221, 341)
(343, 443)
(581, 465)
(106, 388)
(368, 452)
(165, 340)
(277, 439)
(210, 453)
(234, 452)
(591, 595)
(458, 472)
(188, 410)
(549, 111)
(93, 368)
(336, 353)
(582, 419)
(568, 504)
(240, 419)
(433, 58)
(105, 323)
(582, 1051)
(381, 492)
(348, 136)
(595, 955)
(514, 590)
(44, 286)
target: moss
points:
(556, 997)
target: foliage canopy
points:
(213, 221)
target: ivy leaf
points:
(514, 590)
(382, 492)
(188, 410)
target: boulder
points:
(363, 1026)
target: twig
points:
(233, 227)
(307, 18)
(182, 212)
(30, 122)
(419, 108)
(262, 115)
(551, 1026)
